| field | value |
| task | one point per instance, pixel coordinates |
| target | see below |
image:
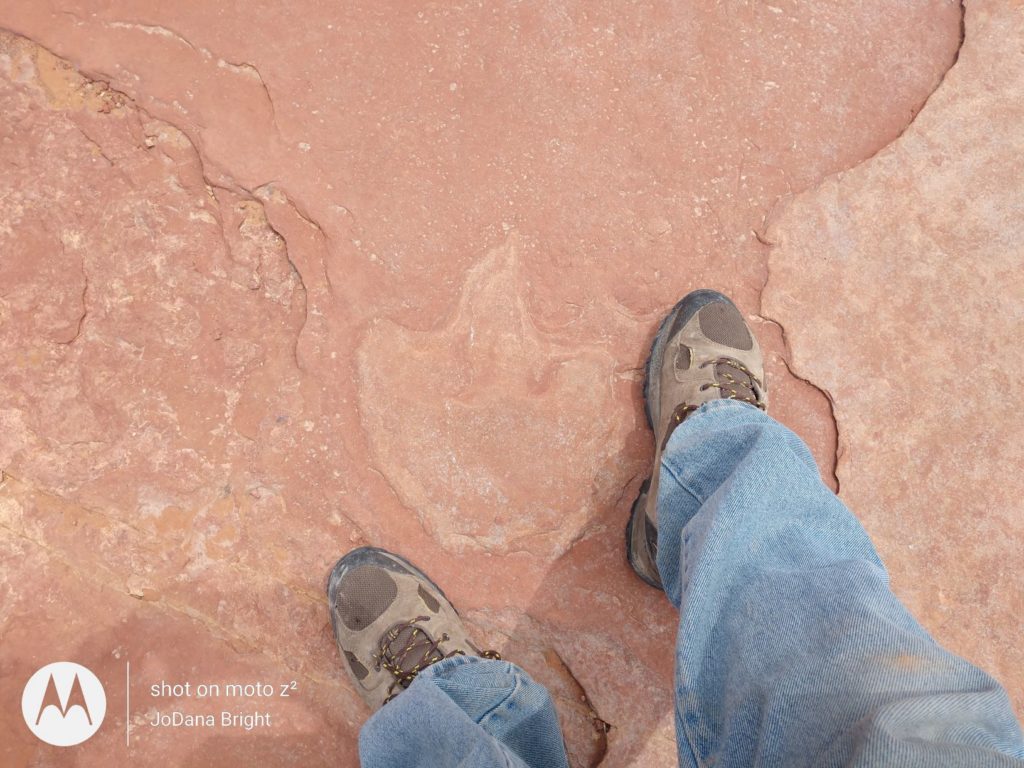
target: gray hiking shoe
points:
(703, 351)
(391, 622)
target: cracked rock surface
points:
(276, 282)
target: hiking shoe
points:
(703, 351)
(391, 622)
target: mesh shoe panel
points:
(364, 595)
(358, 669)
(682, 360)
(723, 324)
(428, 599)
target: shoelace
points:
(418, 641)
(752, 385)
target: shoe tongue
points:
(413, 649)
(735, 382)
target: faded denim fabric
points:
(467, 712)
(792, 649)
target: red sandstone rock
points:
(275, 283)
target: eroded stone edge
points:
(776, 213)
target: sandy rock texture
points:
(901, 286)
(278, 281)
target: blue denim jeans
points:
(792, 650)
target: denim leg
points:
(792, 649)
(466, 712)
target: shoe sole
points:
(652, 391)
(638, 508)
